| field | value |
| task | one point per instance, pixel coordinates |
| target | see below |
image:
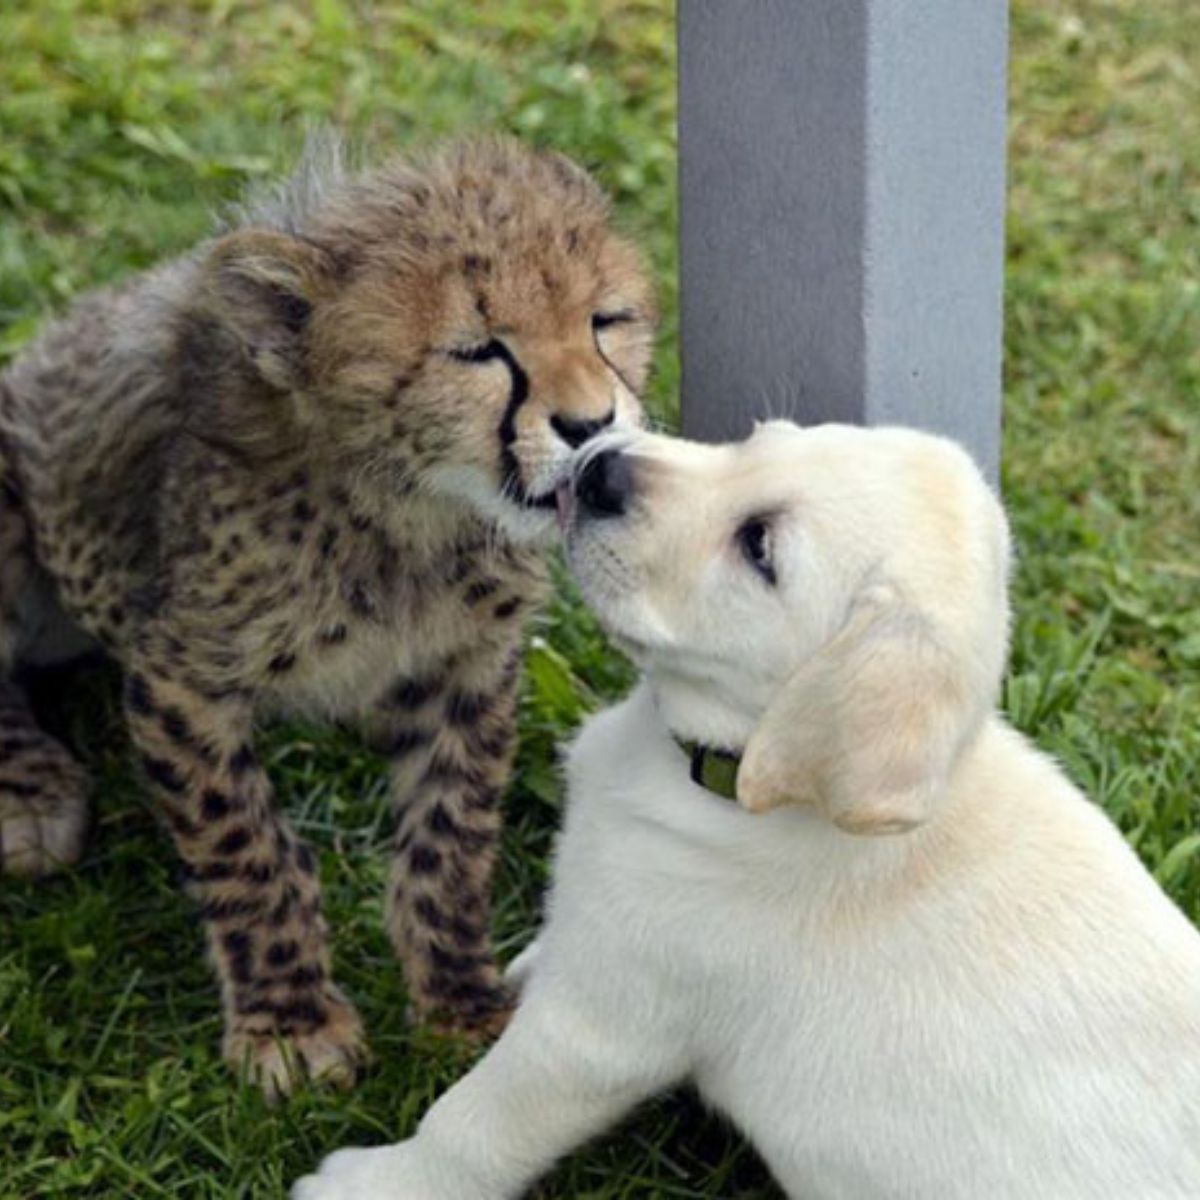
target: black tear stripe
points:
(510, 469)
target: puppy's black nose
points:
(605, 484)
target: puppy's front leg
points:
(562, 1072)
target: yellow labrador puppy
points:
(994, 1001)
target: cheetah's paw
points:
(43, 814)
(484, 1020)
(333, 1054)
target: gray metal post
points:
(842, 213)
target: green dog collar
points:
(714, 770)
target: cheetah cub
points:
(311, 467)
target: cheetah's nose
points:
(575, 432)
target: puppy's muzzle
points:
(604, 487)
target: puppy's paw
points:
(377, 1174)
(332, 1053)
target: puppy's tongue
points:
(564, 502)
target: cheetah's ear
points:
(262, 286)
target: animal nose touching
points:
(604, 484)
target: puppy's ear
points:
(869, 730)
(261, 286)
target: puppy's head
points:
(831, 602)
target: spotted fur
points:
(310, 466)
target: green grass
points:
(123, 126)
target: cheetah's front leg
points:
(256, 884)
(450, 740)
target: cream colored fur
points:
(996, 1002)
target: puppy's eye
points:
(606, 320)
(484, 352)
(754, 541)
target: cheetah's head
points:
(459, 326)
